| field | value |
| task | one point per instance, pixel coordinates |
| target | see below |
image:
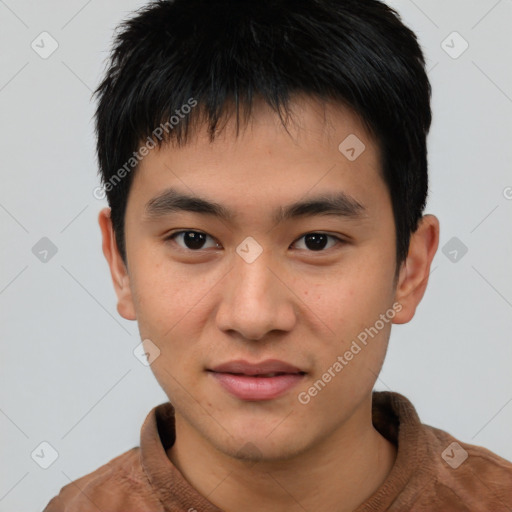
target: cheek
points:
(163, 294)
(168, 306)
(352, 309)
(351, 299)
(170, 303)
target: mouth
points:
(266, 375)
(267, 380)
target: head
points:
(265, 165)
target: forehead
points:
(312, 125)
(323, 148)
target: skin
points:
(293, 303)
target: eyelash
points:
(174, 235)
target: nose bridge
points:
(252, 277)
(255, 302)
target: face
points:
(264, 281)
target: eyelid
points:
(340, 240)
(171, 236)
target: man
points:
(265, 165)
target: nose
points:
(256, 300)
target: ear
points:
(415, 270)
(118, 270)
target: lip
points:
(244, 381)
(261, 368)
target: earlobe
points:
(415, 271)
(118, 270)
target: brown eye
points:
(191, 240)
(317, 242)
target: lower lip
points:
(257, 388)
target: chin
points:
(254, 452)
(257, 444)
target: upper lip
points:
(262, 368)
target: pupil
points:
(194, 240)
(316, 241)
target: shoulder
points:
(119, 485)
(467, 475)
(433, 469)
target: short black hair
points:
(208, 58)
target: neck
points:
(339, 473)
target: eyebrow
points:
(171, 201)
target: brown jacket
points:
(432, 472)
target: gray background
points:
(69, 376)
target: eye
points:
(192, 240)
(318, 241)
